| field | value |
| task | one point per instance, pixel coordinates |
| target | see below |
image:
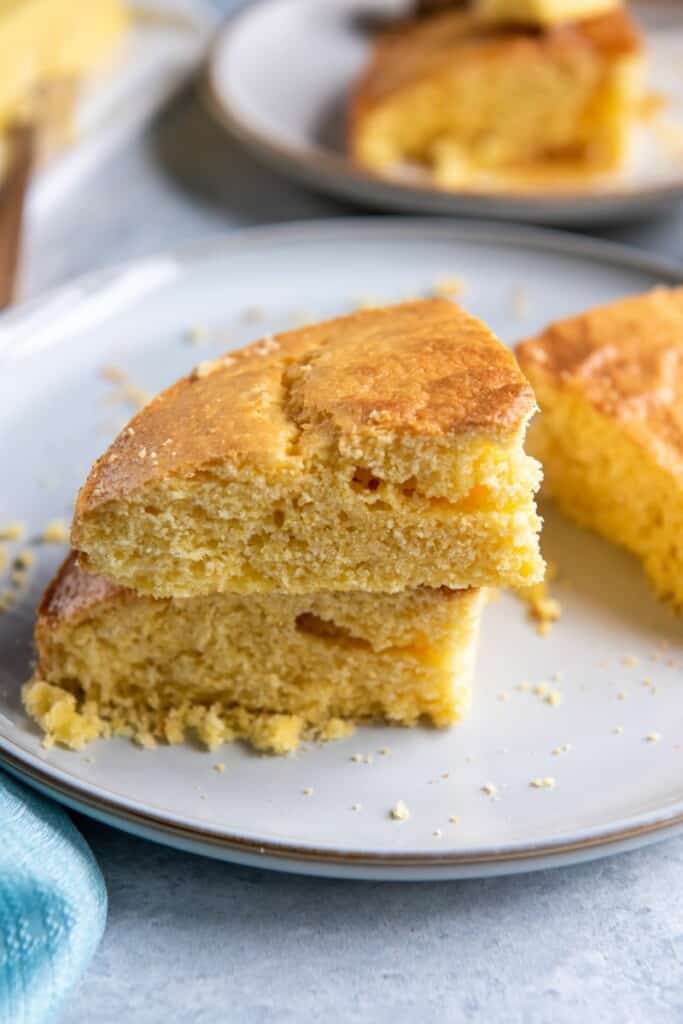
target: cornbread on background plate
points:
(543, 12)
(268, 668)
(483, 105)
(53, 42)
(380, 451)
(610, 433)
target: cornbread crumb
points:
(4, 558)
(554, 698)
(490, 789)
(547, 782)
(7, 600)
(453, 819)
(127, 391)
(653, 737)
(56, 532)
(622, 695)
(437, 833)
(219, 767)
(356, 807)
(618, 730)
(541, 689)
(630, 660)
(524, 687)
(564, 748)
(13, 531)
(26, 558)
(399, 812)
(336, 729)
(384, 751)
(308, 791)
(542, 606)
(450, 286)
(19, 577)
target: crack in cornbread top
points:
(414, 51)
(424, 368)
(625, 358)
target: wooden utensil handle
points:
(22, 143)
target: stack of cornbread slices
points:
(502, 92)
(296, 537)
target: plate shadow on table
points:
(202, 160)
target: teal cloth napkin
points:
(53, 905)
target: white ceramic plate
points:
(278, 78)
(613, 790)
(166, 43)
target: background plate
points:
(280, 72)
(614, 789)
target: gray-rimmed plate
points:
(279, 73)
(154, 319)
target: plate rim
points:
(593, 841)
(324, 169)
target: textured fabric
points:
(53, 905)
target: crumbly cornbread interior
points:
(610, 432)
(377, 452)
(542, 12)
(469, 100)
(269, 669)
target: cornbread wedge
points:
(52, 41)
(270, 669)
(544, 13)
(610, 434)
(379, 452)
(476, 103)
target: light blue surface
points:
(53, 905)
(200, 942)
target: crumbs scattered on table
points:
(399, 812)
(629, 660)
(554, 698)
(490, 789)
(356, 807)
(384, 751)
(4, 558)
(362, 758)
(618, 730)
(7, 600)
(56, 532)
(545, 782)
(453, 819)
(542, 607)
(219, 767)
(437, 833)
(622, 695)
(307, 791)
(653, 737)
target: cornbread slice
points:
(266, 668)
(381, 451)
(543, 12)
(469, 100)
(610, 434)
(46, 41)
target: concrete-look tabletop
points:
(196, 941)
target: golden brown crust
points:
(409, 53)
(73, 593)
(626, 358)
(425, 368)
